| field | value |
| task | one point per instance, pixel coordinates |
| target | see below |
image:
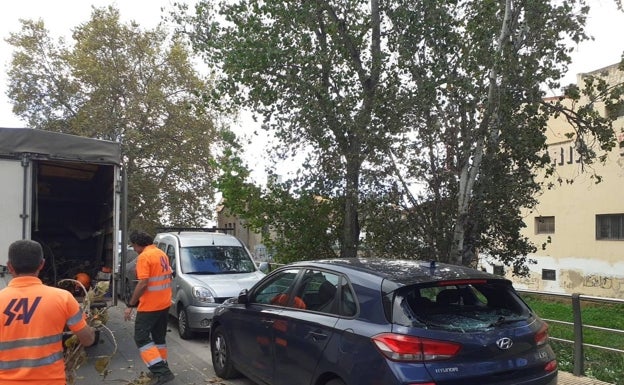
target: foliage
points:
(294, 223)
(122, 83)
(426, 120)
(603, 365)
(74, 354)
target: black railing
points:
(578, 326)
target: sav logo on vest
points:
(19, 309)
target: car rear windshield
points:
(465, 307)
(215, 260)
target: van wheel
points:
(221, 359)
(183, 325)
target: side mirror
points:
(264, 267)
(243, 296)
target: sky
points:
(60, 16)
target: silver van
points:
(208, 268)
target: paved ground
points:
(189, 360)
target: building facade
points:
(580, 222)
(251, 239)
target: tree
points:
(430, 113)
(138, 87)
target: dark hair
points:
(141, 238)
(25, 256)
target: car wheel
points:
(221, 360)
(335, 381)
(183, 325)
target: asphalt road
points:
(188, 359)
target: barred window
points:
(544, 225)
(610, 227)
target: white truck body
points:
(63, 191)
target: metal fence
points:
(578, 325)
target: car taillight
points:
(399, 347)
(551, 366)
(541, 337)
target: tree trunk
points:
(351, 226)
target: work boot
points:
(162, 379)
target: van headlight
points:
(202, 294)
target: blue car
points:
(381, 322)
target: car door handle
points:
(267, 322)
(317, 336)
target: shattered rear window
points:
(461, 307)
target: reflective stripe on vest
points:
(28, 342)
(31, 363)
(75, 318)
(152, 280)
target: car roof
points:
(405, 271)
(201, 238)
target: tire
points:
(184, 328)
(221, 360)
(335, 381)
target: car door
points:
(302, 333)
(253, 326)
(170, 251)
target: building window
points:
(499, 270)
(610, 226)
(544, 225)
(549, 275)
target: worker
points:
(152, 297)
(32, 322)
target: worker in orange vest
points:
(152, 295)
(32, 322)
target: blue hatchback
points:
(381, 322)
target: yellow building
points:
(581, 223)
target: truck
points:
(65, 192)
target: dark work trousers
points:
(150, 330)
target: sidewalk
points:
(190, 369)
(566, 378)
(126, 365)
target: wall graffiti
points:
(573, 281)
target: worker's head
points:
(25, 257)
(139, 239)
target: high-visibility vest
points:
(153, 265)
(32, 320)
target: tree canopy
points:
(118, 82)
(424, 121)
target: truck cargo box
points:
(63, 191)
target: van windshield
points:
(215, 260)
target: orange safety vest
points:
(32, 319)
(153, 265)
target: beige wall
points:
(252, 240)
(582, 263)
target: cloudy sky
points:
(605, 24)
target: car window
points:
(275, 288)
(215, 260)
(468, 307)
(171, 254)
(324, 292)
